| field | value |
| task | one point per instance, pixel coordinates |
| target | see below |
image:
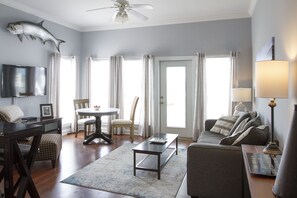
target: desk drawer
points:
(51, 127)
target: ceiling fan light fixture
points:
(122, 17)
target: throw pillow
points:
(253, 122)
(242, 116)
(224, 124)
(231, 138)
(253, 136)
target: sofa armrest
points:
(215, 171)
(209, 123)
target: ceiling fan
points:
(123, 8)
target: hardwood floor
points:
(74, 156)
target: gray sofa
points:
(216, 170)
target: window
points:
(132, 78)
(218, 71)
(67, 90)
(99, 84)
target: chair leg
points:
(132, 134)
(85, 132)
(111, 132)
(53, 163)
(76, 130)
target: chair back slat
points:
(133, 108)
(81, 104)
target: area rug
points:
(114, 173)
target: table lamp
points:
(241, 95)
(271, 81)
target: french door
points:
(176, 97)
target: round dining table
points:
(97, 113)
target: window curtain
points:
(74, 61)
(116, 87)
(53, 82)
(199, 101)
(146, 125)
(234, 78)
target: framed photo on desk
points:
(46, 111)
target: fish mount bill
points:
(33, 30)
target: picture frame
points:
(46, 111)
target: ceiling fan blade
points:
(143, 6)
(137, 14)
(96, 9)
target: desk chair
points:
(121, 123)
(87, 121)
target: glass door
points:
(176, 97)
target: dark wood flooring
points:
(74, 156)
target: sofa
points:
(215, 167)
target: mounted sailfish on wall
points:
(33, 30)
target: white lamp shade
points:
(271, 79)
(241, 94)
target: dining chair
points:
(122, 123)
(87, 121)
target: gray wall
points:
(32, 53)
(277, 18)
(214, 38)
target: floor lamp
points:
(271, 81)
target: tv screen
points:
(20, 81)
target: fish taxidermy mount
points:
(33, 30)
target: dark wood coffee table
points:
(157, 149)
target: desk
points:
(97, 114)
(9, 134)
(260, 186)
(50, 125)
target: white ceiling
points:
(72, 13)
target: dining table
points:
(97, 113)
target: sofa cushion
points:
(210, 137)
(224, 124)
(253, 136)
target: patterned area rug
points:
(114, 173)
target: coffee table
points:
(157, 149)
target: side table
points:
(260, 186)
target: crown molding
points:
(252, 7)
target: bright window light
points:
(218, 71)
(67, 88)
(99, 84)
(132, 77)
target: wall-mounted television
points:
(21, 81)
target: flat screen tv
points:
(21, 81)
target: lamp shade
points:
(271, 79)
(241, 94)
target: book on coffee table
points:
(157, 140)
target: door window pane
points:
(218, 71)
(176, 100)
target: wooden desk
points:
(10, 133)
(260, 186)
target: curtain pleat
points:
(199, 101)
(116, 87)
(54, 82)
(234, 78)
(146, 125)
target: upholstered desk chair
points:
(50, 144)
(121, 123)
(87, 121)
